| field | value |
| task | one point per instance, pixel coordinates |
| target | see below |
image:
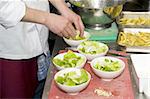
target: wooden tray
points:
(120, 87)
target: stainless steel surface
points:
(134, 15)
(98, 26)
(60, 45)
(97, 13)
(130, 44)
(97, 4)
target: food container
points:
(142, 74)
(135, 39)
(74, 42)
(134, 20)
(105, 61)
(80, 63)
(97, 13)
(75, 89)
(92, 49)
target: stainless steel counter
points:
(60, 45)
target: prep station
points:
(108, 33)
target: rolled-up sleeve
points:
(11, 12)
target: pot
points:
(97, 13)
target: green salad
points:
(108, 65)
(69, 60)
(92, 47)
(73, 78)
(78, 4)
(78, 37)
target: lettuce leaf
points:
(78, 37)
(108, 65)
(92, 47)
(69, 60)
(73, 78)
(60, 79)
(69, 55)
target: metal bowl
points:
(97, 13)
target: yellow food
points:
(113, 11)
(135, 21)
(134, 39)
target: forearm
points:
(36, 16)
(12, 12)
(60, 5)
(69, 14)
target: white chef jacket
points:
(21, 40)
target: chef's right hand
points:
(60, 25)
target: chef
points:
(24, 52)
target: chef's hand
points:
(75, 19)
(69, 14)
(60, 25)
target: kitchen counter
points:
(60, 45)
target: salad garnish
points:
(92, 47)
(108, 65)
(69, 60)
(73, 78)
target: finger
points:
(70, 33)
(81, 27)
(72, 29)
(76, 23)
(65, 33)
(60, 34)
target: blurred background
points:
(130, 5)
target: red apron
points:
(18, 79)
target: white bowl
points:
(61, 56)
(92, 56)
(74, 43)
(71, 89)
(104, 74)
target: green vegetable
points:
(92, 47)
(73, 78)
(60, 79)
(77, 37)
(78, 3)
(69, 60)
(108, 65)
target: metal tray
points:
(130, 44)
(135, 15)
